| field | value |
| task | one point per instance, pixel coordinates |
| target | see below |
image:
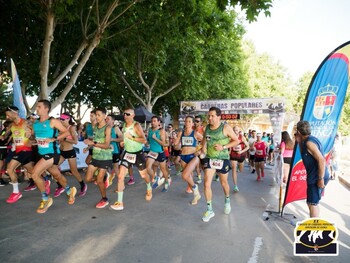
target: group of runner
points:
(113, 151)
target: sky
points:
(301, 33)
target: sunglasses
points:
(61, 119)
(127, 114)
(197, 121)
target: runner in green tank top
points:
(218, 138)
(134, 138)
(101, 155)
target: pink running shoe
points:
(131, 181)
(13, 198)
(58, 191)
(47, 187)
(83, 190)
(30, 187)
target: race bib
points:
(42, 143)
(130, 157)
(153, 155)
(259, 152)
(18, 141)
(187, 141)
(216, 164)
(238, 148)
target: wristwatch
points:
(224, 147)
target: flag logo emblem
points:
(325, 102)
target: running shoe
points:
(196, 197)
(258, 178)
(58, 191)
(199, 181)
(227, 209)
(178, 173)
(30, 187)
(189, 190)
(83, 190)
(262, 174)
(131, 181)
(216, 178)
(253, 171)
(161, 181)
(71, 196)
(44, 205)
(148, 196)
(235, 189)
(166, 187)
(102, 204)
(117, 206)
(47, 186)
(208, 215)
(155, 182)
(13, 198)
(2, 182)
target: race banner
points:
(238, 106)
(322, 108)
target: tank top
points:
(129, 145)
(188, 140)
(114, 144)
(21, 142)
(100, 137)
(42, 131)
(260, 149)
(216, 137)
(154, 145)
(287, 152)
(310, 163)
(240, 145)
(89, 131)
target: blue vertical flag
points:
(322, 109)
(17, 92)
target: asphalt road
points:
(167, 229)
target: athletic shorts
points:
(287, 160)
(130, 159)
(116, 157)
(55, 156)
(221, 166)
(23, 157)
(90, 150)
(3, 154)
(69, 154)
(175, 152)
(237, 157)
(102, 164)
(187, 157)
(259, 159)
(251, 157)
(36, 154)
(159, 157)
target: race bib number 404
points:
(216, 164)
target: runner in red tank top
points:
(260, 156)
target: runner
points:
(218, 138)
(89, 135)
(45, 131)
(200, 129)
(116, 138)
(237, 155)
(4, 141)
(68, 152)
(101, 155)
(21, 133)
(260, 156)
(251, 152)
(134, 138)
(189, 140)
(157, 141)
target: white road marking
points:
(257, 245)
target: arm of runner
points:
(73, 133)
(119, 134)
(140, 134)
(321, 162)
(228, 131)
(56, 124)
(246, 144)
(176, 140)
